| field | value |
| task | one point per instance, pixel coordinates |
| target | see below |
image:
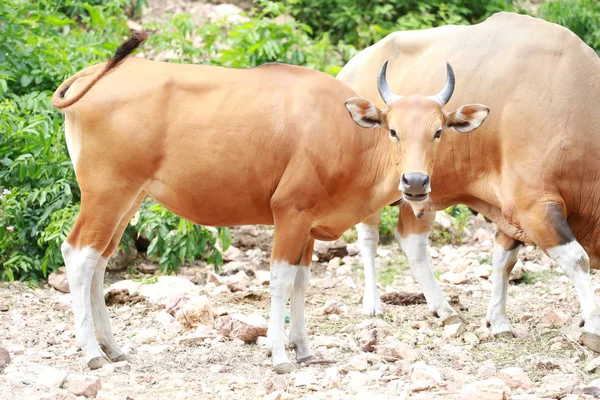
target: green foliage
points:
(580, 16)
(363, 22)
(388, 221)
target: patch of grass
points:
(350, 236)
(386, 276)
(147, 280)
(530, 278)
(487, 259)
(438, 275)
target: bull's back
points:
(189, 132)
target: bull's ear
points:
(364, 113)
(467, 118)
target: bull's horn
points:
(384, 90)
(444, 96)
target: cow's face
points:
(416, 125)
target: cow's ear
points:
(364, 113)
(467, 118)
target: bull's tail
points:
(58, 100)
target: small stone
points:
(353, 249)
(146, 336)
(276, 383)
(517, 272)
(372, 331)
(231, 254)
(393, 349)
(360, 363)
(146, 268)
(108, 368)
(454, 330)
(484, 271)
(334, 264)
(214, 278)
(490, 389)
(4, 358)
(592, 388)
(331, 307)
(238, 282)
(58, 280)
(355, 380)
(555, 318)
(121, 258)
(592, 365)
(82, 385)
(36, 374)
(262, 278)
(515, 377)
(423, 377)
(558, 385)
(456, 278)
(198, 337)
(527, 317)
(239, 326)
(216, 368)
(196, 311)
(325, 251)
(304, 379)
(274, 395)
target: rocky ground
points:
(199, 334)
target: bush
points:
(580, 16)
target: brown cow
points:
(532, 169)
(222, 147)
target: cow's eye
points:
(393, 133)
(438, 134)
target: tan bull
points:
(218, 146)
(532, 169)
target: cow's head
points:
(415, 124)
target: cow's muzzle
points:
(415, 186)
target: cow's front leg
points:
(368, 239)
(413, 237)
(291, 245)
(504, 259)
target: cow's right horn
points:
(384, 90)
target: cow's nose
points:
(415, 184)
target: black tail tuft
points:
(125, 49)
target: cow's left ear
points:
(467, 118)
(364, 113)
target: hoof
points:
(507, 335)
(591, 341)
(284, 368)
(453, 319)
(122, 357)
(97, 362)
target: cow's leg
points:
(292, 230)
(298, 338)
(100, 214)
(104, 333)
(555, 237)
(413, 236)
(505, 254)
(368, 238)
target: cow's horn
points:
(444, 96)
(384, 90)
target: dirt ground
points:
(37, 327)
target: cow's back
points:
(542, 139)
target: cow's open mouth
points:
(416, 197)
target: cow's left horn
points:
(384, 90)
(444, 96)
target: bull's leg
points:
(505, 254)
(102, 326)
(555, 237)
(100, 214)
(298, 338)
(368, 238)
(291, 238)
(413, 235)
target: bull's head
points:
(415, 124)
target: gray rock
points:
(58, 280)
(82, 385)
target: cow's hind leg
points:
(102, 326)
(555, 237)
(505, 254)
(100, 214)
(368, 239)
(292, 230)
(413, 237)
(298, 337)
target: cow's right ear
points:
(364, 113)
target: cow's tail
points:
(58, 100)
